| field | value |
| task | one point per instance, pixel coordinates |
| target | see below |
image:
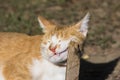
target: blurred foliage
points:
(21, 16)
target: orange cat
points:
(40, 57)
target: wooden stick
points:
(73, 65)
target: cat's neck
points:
(40, 66)
(62, 64)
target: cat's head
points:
(57, 39)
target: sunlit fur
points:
(24, 57)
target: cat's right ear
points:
(45, 24)
(82, 26)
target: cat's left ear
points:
(82, 26)
(45, 24)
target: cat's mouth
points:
(62, 51)
(58, 54)
(59, 57)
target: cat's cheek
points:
(42, 49)
(64, 55)
(44, 52)
(64, 45)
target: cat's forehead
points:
(57, 36)
(54, 37)
(58, 32)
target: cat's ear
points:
(45, 24)
(82, 26)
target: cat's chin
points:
(58, 58)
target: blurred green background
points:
(21, 16)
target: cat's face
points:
(56, 40)
(55, 47)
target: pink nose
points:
(53, 49)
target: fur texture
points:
(39, 57)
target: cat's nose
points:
(53, 49)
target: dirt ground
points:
(103, 41)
